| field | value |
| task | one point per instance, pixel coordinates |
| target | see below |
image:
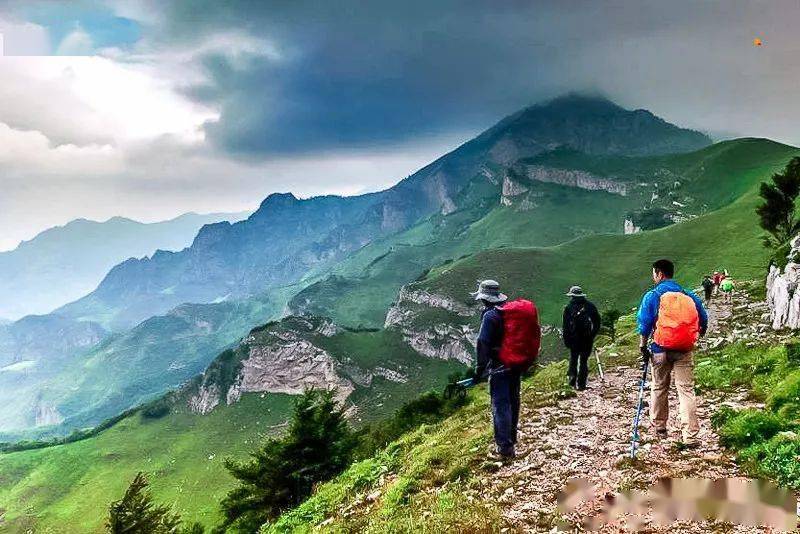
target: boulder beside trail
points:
(783, 299)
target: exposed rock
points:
(574, 178)
(397, 313)
(783, 299)
(442, 341)
(511, 189)
(205, 400)
(47, 414)
(630, 228)
(291, 367)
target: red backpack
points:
(521, 334)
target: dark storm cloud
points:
(352, 74)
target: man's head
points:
(489, 293)
(576, 292)
(663, 270)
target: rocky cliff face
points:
(783, 299)
(446, 340)
(287, 357)
(573, 178)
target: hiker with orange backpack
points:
(676, 319)
(508, 344)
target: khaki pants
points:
(683, 370)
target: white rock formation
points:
(783, 299)
(574, 178)
(205, 400)
(630, 228)
(511, 189)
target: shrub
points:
(778, 458)
(156, 409)
(785, 396)
(282, 473)
(136, 512)
(749, 427)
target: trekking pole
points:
(635, 432)
(599, 367)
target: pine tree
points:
(283, 472)
(777, 213)
(136, 513)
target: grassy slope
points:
(615, 269)
(365, 284)
(68, 488)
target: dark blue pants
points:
(504, 391)
(578, 370)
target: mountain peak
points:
(588, 123)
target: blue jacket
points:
(490, 337)
(648, 309)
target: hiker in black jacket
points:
(580, 326)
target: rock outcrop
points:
(573, 178)
(445, 341)
(629, 227)
(783, 299)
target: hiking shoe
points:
(506, 454)
(661, 433)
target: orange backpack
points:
(678, 324)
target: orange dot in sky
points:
(757, 42)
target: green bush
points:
(785, 396)
(722, 416)
(779, 458)
(282, 473)
(793, 354)
(749, 427)
(156, 409)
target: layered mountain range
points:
(571, 167)
(65, 263)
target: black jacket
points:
(574, 306)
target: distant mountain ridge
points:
(169, 315)
(287, 237)
(64, 263)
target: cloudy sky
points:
(148, 109)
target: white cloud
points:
(23, 38)
(76, 43)
(84, 100)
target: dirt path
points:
(588, 437)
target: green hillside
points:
(358, 291)
(614, 269)
(72, 484)
(182, 452)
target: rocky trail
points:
(588, 437)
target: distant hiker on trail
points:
(676, 319)
(580, 326)
(508, 344)
(708, 288)
(717, 278)
(726, 286)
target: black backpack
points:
(581, 325)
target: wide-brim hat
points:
(575, 291)
(489, 290)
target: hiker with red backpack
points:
(508, 344)
(675, 318)
(581, 323)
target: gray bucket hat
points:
(575, 291)
(489, 290)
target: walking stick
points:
(599, 367)
(635, 432)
